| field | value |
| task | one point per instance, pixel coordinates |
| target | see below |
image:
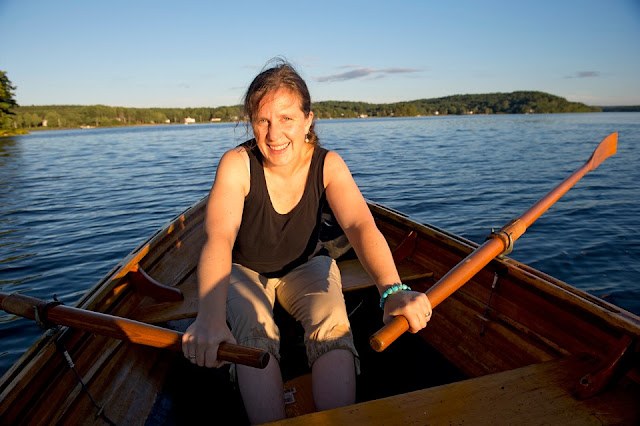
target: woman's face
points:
(280, 127)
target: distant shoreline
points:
(621, 108)
(21, 132)
(50, 117)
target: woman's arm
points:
(354, 216)
(222, 221)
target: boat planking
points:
(513, 344)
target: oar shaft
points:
(538, 209)
(464, 271)
(122, 328)
(498, 244)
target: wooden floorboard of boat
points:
(536, 394)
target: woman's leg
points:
(312, 293)
(334, 380)
(250, 316)
(262, 392)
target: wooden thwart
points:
(536, 394)
(168, 307)
(354, 277)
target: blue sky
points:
(205, 53)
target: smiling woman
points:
(264, 215)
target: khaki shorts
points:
(311, 293)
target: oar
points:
(500, 242)
(120, 328)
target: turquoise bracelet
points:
(393, 289)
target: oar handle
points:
(389, 333)
(120, 328)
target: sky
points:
(205, 53)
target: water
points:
(73, 203)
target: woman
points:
(262, 224)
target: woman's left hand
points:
(413, 305)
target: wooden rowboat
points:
(513, 345)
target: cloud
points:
(584, 74)
(360, 72)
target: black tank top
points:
(271, 243)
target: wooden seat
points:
(354, 277)
(536, 394)
(353, 274)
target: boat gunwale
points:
(93, 296)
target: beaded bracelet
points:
(393, 289)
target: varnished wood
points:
(354, 277)
(146, 285)
(154, 312)
(406, 247)
(609, 372)
(122, 328)
(299, 396)
(533, 395)
(353, 274)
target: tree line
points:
(17, 119)
(57, 116)
(621, 108)
(491, 103)
(65, 116)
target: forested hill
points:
(490, 103)
(57, 116)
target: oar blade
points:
(606, 149)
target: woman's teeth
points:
(279, 147)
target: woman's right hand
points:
(201, 340)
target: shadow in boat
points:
(191, 394)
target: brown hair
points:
(278, 74)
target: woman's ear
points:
(309, 121)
